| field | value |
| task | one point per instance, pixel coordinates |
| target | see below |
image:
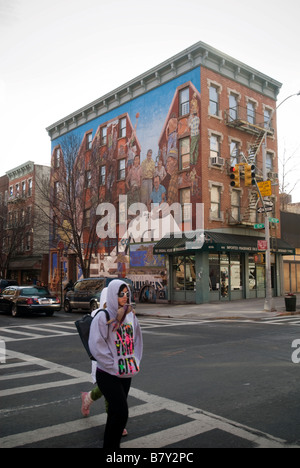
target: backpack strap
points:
(106, 313)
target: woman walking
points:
(117, 346)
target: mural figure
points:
(133, 182)
(148, 169)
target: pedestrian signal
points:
(235, 176)
(249, 175)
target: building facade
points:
(170, 139)
(25, 232)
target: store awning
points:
(217, 241)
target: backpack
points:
(83, 326)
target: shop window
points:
(184, 273)
(235, 272)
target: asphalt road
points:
(202, 384)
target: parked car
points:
(4, 283)
(27, 300)
(85, 295)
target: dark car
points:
(4, 283)
(28, 300)
(85, 295)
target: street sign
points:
(262, 245)
(263, 210)
(265, 188)
(259, 226)
(274, 220)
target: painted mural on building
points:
(149, 150)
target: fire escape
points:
(257, 127)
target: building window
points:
(184, 153)
(267, 117)
(233, 107)
(214, 146)
(234, 153)
(102, 175)
(55, 191)
(103, 135)
(185, 202)
(89, 139)
(57, 158)
(88, 179)
(122, 127)
(23, 188)
(236, 205)
(29, 187)
(215, 205)
(251, 112)
(213, 100)
(184, 101)
(269, 162)
(121, 169)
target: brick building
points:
(25, 243)
(172, 136)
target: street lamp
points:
(269, 305)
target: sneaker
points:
(124, 433)
(86, 402)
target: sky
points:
(58, 56)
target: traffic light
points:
(249, 175)
(235, 176)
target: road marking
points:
(199, 421)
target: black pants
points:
(115, 391)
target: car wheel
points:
(93, 306)
(67, 307)
(14, 311)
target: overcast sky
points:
(57, 56)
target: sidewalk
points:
(244, 309)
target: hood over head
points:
(103, 298)
(112, 296)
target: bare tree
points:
(73, 198)
(288, 165)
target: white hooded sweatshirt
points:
(117, 352)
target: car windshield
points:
(41, 292)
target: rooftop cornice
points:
(20, 171)
(200, 54)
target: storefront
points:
(227, 267)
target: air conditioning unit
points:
(216, 161)
(273, 175)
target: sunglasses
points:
(122, 294)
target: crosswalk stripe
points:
(199, 421)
